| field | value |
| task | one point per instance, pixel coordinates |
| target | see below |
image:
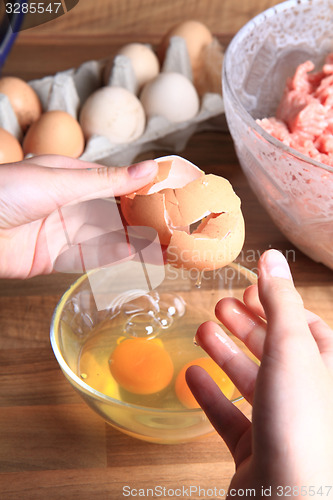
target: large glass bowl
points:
(295, 190)
(183, 304)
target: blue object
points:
(9, 28)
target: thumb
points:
(30, 191)
(287, 326)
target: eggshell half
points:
(148, 206)
(209, 193)
(215, 243)
(180, 196)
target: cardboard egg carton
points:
(8, 119)
(68, 90)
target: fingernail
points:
(142, 169)
(276, 265)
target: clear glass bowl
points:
(295, 190)
(182, 306)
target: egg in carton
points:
(69, 90)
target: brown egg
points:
(10, 148)
(181, 196)
(143, 60)
(56, 132)
(23, 99)
(196, 35)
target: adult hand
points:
(289, 443)
(33, 190)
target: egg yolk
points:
(141, 366)
(183, 391)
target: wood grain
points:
(103, 484)
(151, 17)
(96, 30)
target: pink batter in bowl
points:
(296, 190)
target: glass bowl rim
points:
(248, 27)
(87, 389)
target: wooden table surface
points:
(51, 444)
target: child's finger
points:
(32, 191)
(243, 323)
(233, 361)
(227, 419)
(287, 326)
(251, 300)
(323, 335)
(321, 332)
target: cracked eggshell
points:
(208, 194)
(216, 242)
(182, 195)
(115, 113)
(154, 204)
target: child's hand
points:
(32, 190)
(290, 440)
